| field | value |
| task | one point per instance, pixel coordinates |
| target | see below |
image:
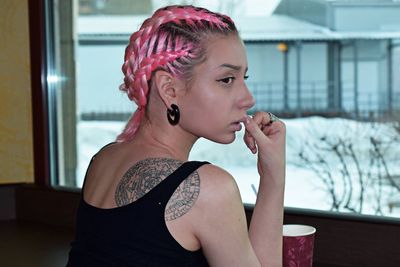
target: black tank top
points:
(134, 234)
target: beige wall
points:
(16, 148)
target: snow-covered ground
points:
(304, 188)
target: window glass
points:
(324, 67)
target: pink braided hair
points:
(169, 40)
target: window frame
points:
(40, 116)
(333, 229)
(38, 66)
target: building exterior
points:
(308, 57)
(339, 56)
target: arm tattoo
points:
(146, 174)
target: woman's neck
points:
(167, 141)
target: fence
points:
(316, 98)
(313, 98)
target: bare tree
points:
(353, 176)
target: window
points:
(324, 67)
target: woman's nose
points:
(247, 99)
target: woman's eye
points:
(246, 77)
(227, 80)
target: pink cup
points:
(298, 245)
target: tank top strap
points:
(170, 184)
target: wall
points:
(314, 11)
(366, 17)
(16, 148)
(266, 70)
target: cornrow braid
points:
(147, 66)
(170, 40)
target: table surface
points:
(32, 244)
(28, 244)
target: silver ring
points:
(272, 118)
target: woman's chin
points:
(227, 139)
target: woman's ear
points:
(164, 84)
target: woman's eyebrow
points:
(234, 67)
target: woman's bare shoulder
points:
(106, 165)
(217, 185)
(112, 157)
(212, 171)
(107, 152)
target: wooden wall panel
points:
(16, 148)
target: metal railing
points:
(313, 98)
(316, 98)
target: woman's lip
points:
(237, 126)
(243, 119)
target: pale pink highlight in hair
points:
(170, 40)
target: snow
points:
(304, 188)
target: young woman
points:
(143, 203)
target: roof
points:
(285, 28)
(252, 29)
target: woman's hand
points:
(265, 231)
(268, 138)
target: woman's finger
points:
(254, 130)
(259, 129)
(250, 142)
(264, 119)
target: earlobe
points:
(163, 82)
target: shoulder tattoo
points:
(183, 198)
(142, 177)
(146, 174)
